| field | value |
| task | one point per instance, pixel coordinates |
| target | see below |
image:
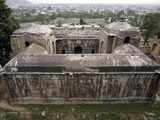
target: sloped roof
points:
(34, 49)
(82, 60)
(122, 26)
(128, 49)
(84, 63)
(78, 63)
(33, 29)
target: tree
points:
(7, 25)
(151, 25)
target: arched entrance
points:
(127, 40)
(93, 51)
(63, 51)
(78, 50)
(27, 44)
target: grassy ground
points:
(86, 112)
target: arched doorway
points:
(63, 51)
(27, 44)
(127, 40)
(78, 50)
(93, 51)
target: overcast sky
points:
(99, 1)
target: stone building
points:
(126, 75)
(125, 33)
(76, 39)
(28, 34)
(80, 65)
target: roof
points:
(125, 56)
(122, 26)
(33, 29)
(83, 60)
(34, 49)
(128, 49)
(80, 63)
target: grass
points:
(124, 108)
(91, 112)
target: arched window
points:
(78, 50)
(27, 44)
(127, 40)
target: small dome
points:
(33, 29)
(34, 49)
(130, 50)
(123, 26)
(127, 49)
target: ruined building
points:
(81, 64)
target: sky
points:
(99, 1)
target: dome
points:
(122, 26)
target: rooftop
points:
(122, 26)
(83, 63)
(34, 29)
(34, 49)
(129, 50)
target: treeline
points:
(29, 17)
(129, 16)
(7, 25)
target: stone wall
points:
(3, 88)
(17, 44)
(86, 46)
(87, 38)
(89, 88)
(134, 36)
(18, 41)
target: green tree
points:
(7, 25)
(151, 25)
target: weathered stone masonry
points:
(81, 87)
(79, 65)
